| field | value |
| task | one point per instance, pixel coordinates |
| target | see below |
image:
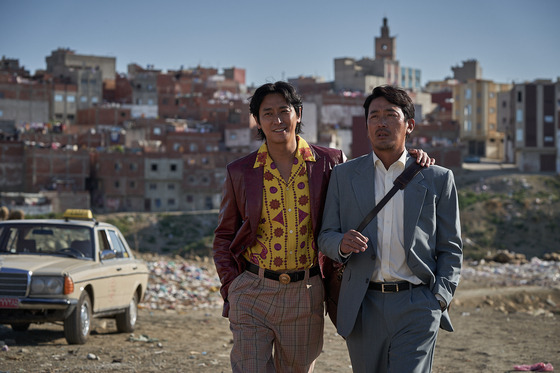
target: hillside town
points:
(79, 134)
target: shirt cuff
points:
(442, 302)
(342, 255)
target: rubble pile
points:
(536, 272)
(179, 285)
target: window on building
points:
(132, 184)
(118, 166)
(519, 115)
(157, 202)
(93, 81)
(468, 94)
(157, 131)
(150, 102)
(117, 184)
(71, 98)
(519, 96)
(190, 198)
(172, 167)
(154, 167)
(171, 202)
(94, 100)
(58, 98)
(153, 186)
(171, 186)
(83, 99)
(133, 167)
(549, 119)
(193, 147)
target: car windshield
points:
(74, 241)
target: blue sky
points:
(514, 40)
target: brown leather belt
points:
(282, 277)
(392, 287)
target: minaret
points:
(385, 46)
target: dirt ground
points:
(496, 328)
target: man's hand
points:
(353, 242)
(422, 157)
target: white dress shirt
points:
(390, 263)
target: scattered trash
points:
(538, 367)
(179, 285)
(535, 272)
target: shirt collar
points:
(303, 153)
(401, 160)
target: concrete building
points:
(365, 74)
(536, 108)
(24, 101)
(470, 69)
(65, 103)
(475, 105)
(88, 73)
(63, 59)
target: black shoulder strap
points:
(400, 182)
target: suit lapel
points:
(414, 194)
(364, 190)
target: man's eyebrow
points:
(281, 107)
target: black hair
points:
(394, 95)
(284, 89)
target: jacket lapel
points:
(414, 194)
(364, 189)
(254, 194)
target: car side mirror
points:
(108, 254)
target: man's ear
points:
(410, 124)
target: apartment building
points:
(475, 106)
(65, 105)
(88, 73)
(536, 112)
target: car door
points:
(124, 265)
(107, 288)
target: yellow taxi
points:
(68, 270)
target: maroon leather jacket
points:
(241, 208)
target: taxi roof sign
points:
(78, 214)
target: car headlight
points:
(46, 285)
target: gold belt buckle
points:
(284, 278)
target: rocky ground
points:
(504, 315)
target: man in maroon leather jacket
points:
(268, 313)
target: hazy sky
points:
(514, 40)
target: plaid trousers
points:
(276, 327)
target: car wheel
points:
(78, 324)
(20, 327)
(127, 321)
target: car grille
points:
(13, 283)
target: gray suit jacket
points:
(432, 232)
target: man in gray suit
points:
(402, 270)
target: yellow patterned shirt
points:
(285, 235)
